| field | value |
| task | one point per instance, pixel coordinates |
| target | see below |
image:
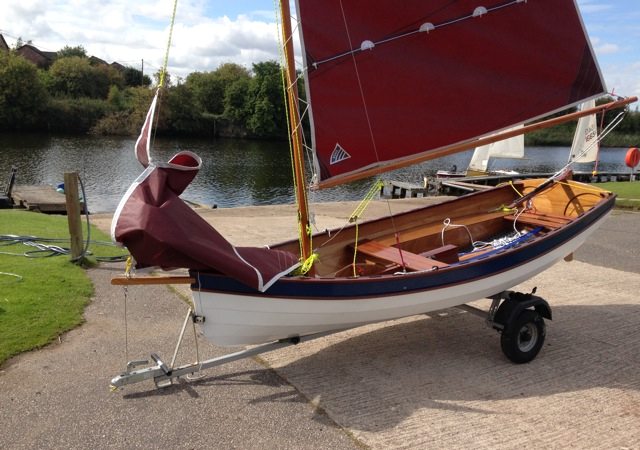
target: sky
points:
(208, 33)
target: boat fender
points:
(517, 302)
(632, 157)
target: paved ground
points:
(421, 382)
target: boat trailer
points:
(518, 317)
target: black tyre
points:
(523, 338)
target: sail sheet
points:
(585, 140)
(389, 79)
(507, 148)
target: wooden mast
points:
(296, 131)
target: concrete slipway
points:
(422, 382)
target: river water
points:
(234, 172)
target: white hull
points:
(244, 319)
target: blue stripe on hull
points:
(384, 285)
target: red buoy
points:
(633, 157)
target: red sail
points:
(382, 90)
(144, 140)
(159, 229)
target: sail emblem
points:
(338, 154)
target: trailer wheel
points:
(522, 339)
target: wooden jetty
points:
(42, 198)
(400, 189)
(465, 185)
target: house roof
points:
(3, 43)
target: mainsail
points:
(507, 148)
(585, 140)
(389, 82)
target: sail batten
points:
(429, 91)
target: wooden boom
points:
(455, 148)
(131, 281)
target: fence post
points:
(73, 213)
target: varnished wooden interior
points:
(413, 239)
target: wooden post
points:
(73, 213)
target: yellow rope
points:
(514, 188)
(127, 266)
(375, 189)
(355, 215)
(355, 253)
(581, 187)
(307, 264)
(166, 55)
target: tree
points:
(72, 51)
(208, 91)
(235, 101)
(75, 77)
(22, 94)
(266, 104)
(134, 77)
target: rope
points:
(586, 188)
(366, 200)
(514, 188)
(8, 274)
(44, 248)
(166, 54)
(305, 267)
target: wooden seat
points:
(540, 220)
(402, 258)
(447, 254)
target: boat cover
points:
(160, 229)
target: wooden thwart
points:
(542, 220)
(401, 257)
(131, 281)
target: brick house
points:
(37, 57)
(3, 44)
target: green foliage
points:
(235, 101)
(134, 77)
(230, 101)
(75, 77)
(76, 115)
(51, 294)
(626, 134)
(72, 51)
(22, 93)
(267, 110)
(208, 91)
(127, 111)
(184, 116)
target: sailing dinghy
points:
(388, 87)
(512, 148)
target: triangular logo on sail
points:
(338, 154)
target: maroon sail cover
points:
(160, 229)
(387, 79)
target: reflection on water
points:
(234, 172)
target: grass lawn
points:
(41, 296)
(628, 193)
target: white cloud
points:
(590, 6)
(128, 32)
(607, 49)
